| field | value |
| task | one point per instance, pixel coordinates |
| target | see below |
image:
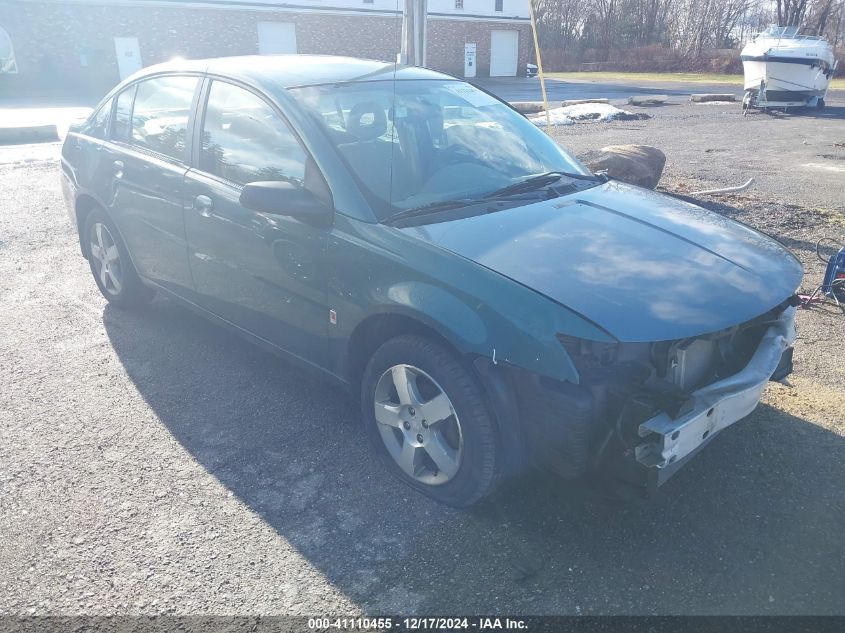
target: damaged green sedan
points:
(416, 240)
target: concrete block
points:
(647, 100)
(28, 134)
(705, 97)
(571, 102)
(528, 107)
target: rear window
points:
(98, 124)
(123, 115)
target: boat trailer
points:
(758, 99)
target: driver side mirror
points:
(278, 197)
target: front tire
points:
(111, 265)
(426, 418)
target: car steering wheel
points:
(458, 154)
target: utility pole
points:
(414, 19)
(539, 64)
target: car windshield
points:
(414, 143)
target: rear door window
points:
(161, 113)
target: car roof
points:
(288, 71)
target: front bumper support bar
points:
(716, 406)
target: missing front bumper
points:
(671, 442)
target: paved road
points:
(153, 463)
(62, 112)
(521, 89)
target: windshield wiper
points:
(523, 186)
(434, 207)
(541, 180)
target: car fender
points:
(99, 203)
(492, 345)
(378, 270)
(478, 329)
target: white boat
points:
(783, 68)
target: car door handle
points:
(117, 168)
(203, 205)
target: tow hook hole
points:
(709, 413)
(706, 433)
(675, 435)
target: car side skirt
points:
(314, 369)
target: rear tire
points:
(435, 433)
(111, 266)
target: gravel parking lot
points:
(153, 463)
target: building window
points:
(7, 54)
(459, 4)
(499, 4)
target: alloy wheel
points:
(418, 425)
(106, 259)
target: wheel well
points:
(496, 387)
(84, 206)
(373, 331)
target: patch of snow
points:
(597, 111)
(581, 112)
(556, 117)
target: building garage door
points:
(275, 38)
(504, 53)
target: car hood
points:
(641, 265)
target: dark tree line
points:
(574, 31)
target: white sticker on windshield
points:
(471, 95)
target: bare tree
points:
(791, 12)
(824, 16)
(603, 30)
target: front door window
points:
(244, 140)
